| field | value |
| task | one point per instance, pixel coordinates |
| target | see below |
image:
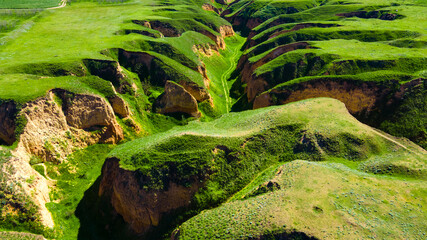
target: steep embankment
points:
(203, 164)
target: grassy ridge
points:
(322, 200)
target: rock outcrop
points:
(29, 182)
(199, 93)
(53, 131)
(176, 99)
(209, 7)
(55, 125)
(119, 106)
(206, 49)
(257, 84)
(226, 31)
(140, 207)
(8, 111)
(147, 67)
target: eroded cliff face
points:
(142, 208)
(54, 126)
(8, 111)
(120, 107)
(364, 100)
(199, 93)
(29, 182)
(52, 131)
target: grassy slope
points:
(219, 68)
(26, 74)
(327, 116)
(59, 47)
(95, 25)
(324, 200)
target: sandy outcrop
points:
(360, 98)
(206, 49)
(29, 182)
(44, 134)
(199, 93)
(55, 126)
(8, 111)
(142, 209)
(53, 131)
(176, 99)
(209, 7)
(90, 111)
(226, 31)
(120, 107)
(202, 70)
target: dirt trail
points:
(63, 4)
(396, 142)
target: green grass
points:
(23, 88)
(219, 69)
(50, 49)
(357, 49)
(28, 3)
(13, 18)
(322, 200)
(97, 25)
(73, 178)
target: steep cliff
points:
(63, 121)
(140, 205)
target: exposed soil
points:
(367, 101)
(141, 208)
